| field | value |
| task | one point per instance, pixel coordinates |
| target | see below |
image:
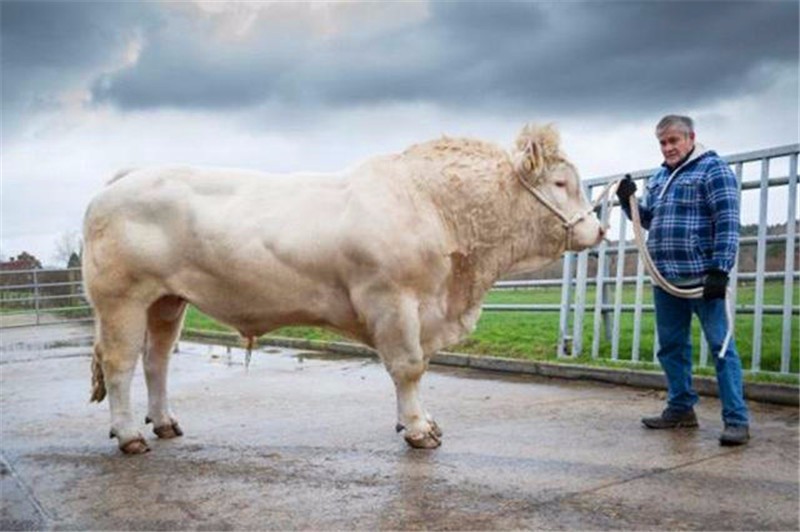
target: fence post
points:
(580, 303)
(566, 295)
(36, 295)
(618, 287)
(606, 301)
(637, 313)
(734, 280)
(72, 279)
(599, 294)
(761, 256)
(637, 310)
(788, 272)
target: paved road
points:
(303, 441)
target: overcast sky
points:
(92, 87)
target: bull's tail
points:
(98, 381)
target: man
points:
(692, 214)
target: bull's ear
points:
(550, 143)
(528, 157)
(537, 148)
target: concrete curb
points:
(781, 394)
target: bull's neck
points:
(501, 227)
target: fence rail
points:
(38, 297)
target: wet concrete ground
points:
(303, 441)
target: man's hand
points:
(625, 189)
(714, 287)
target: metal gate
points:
(772, 175)
(42, 296)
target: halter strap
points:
(567, 223)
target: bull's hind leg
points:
(120, 341)
(397, 338)
(164, 322)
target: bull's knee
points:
(407, 370)
(115, 368)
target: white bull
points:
(397, 253)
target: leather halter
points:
(567, 223)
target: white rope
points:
(655, 275)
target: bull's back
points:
(197, 213)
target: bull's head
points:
(545, 171)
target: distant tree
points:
(25, 261)
(67, 244)
(74, 261)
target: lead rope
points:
(655, 275)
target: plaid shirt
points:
(694, 224)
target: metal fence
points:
(38, 297)
(42, 296)
(610, 278)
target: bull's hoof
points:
(435, 429)
(429, 440)
(165, 432)
(135, 446)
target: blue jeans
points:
(673, 322)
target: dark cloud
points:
(49, 48)
(584, 57)
(618, 56)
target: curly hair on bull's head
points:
(537, 148)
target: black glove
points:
(625, 189)
(714, 287)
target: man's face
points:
(675, 145)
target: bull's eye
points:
(561, 184)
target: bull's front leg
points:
(421, 430)
(396, 332)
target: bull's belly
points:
(256, 308)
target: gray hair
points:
(681, 122)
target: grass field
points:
(534, 335)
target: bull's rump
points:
(255, 251)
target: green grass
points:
(534, 335)
(197, 320)
(10, 305)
